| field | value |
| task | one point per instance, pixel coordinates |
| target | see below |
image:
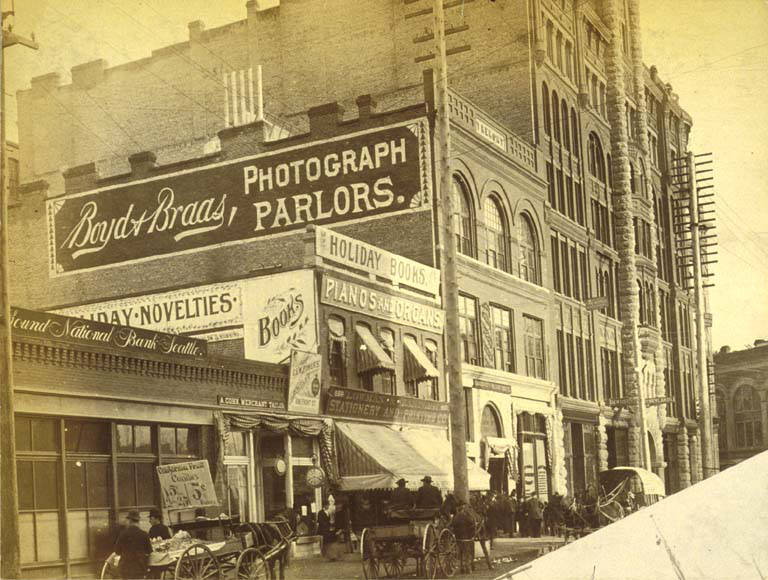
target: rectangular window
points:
(468, 329)
(551, 185)
(534, 347)
(590, 370)
(569, 189)
(556, 264)
(504, 358)
(564, 257)
(560, 192)
(572, 387)
(575, 269)
(584, 274)
(579, 202)
(337, 342)
(561, 363)
(580, 375)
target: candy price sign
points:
(187, 485)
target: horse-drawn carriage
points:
(213, 549)
(420, 534)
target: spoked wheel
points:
(251, 565)
(394, 564)
(369, 554)
(448, 553)
(429, 552)
(109, 571)
(197, 563)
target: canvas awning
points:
(418, 367)
(652, 483)
(376, 456)
(370, 354)
(499, 445)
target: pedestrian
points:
(327, 530)
(510, 513)
(428, 496)
(534, 516)
(158, 529)
(133, 547)
(463, 526)
(522, 516)
(401, 498)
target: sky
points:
(713, 52)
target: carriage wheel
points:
(251, 565)
(369, 554)
(108, 571)
(448, 553)
(394, 564)
(429, 552)
(197, 563)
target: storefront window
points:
(39, 533)
(237, 492)
(534, 465)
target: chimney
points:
(366, 105)
(142, 164)
(80, 178)
(324, 119)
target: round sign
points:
(315, 476)
(280, 466)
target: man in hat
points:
(428, 496)
(157, 528)
(401, 498)
(133, 547)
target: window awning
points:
(370, 354)
(376, 456)
(499, 445)
(418, 367)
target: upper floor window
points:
(534, 347)
(574, 133)
(375, 365)
(497, 237)
(468, 329)
(529, 251)
(337, 355)
(566, 132)
(550, 40)
(464, 224)
(596, 161)
(545, 108)
(503, 349)
(555, 116)
(747, 417)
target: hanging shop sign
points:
(186, 485)
(94, 333)
(351, 177)
(353, 253)
(391, 408)
(381, 304)
(279, 315)
(304, 382)
(215, 309)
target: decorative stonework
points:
(602, 450)
(559, 471)
(683, 459)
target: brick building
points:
(563, 144)
(741, 387)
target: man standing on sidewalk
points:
(133, 547)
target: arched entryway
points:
(496, 464)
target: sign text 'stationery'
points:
(91, 332)
(353, 177)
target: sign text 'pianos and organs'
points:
(381, 304)
(361, 175)
(90, 332)
(362, 256)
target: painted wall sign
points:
(186, 485)
(368, 405)
(191, 310)
(225, 401)
(95, 333)
(365, 174)
(304, 382)
(279, 315)
(492, 386)
(356, 254)
(380, 304)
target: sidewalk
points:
(507, 554)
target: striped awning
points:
(370, 354)
(418, 367)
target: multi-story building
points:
(741, 393)
(562, 161)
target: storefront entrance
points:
(534, 462)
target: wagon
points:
(419, 535)
(213, 549)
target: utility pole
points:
(705, 422)
(448, 258)
(10, 565)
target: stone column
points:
(683, 459)
(559, 471)
(625, 233)
(602, 450)
(697, 473)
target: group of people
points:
(134, 545)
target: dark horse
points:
(477, 510)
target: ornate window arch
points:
(596, 158)
(464, 222)
(528, 241)
(555, 117)
(565, 124)
(747, 417)
(497, 234)
(490, 423)
(641, 180)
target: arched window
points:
(596, 163)
(722, 429)
(497, 235)
(464, 226)
(555, 116)
(545, 108)
(747, 417)
(641, 300)
(529, 251)
(574, 133)
(490, 424)
(642, 185)
(566, 132)
(632, 179)
(337, 351)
